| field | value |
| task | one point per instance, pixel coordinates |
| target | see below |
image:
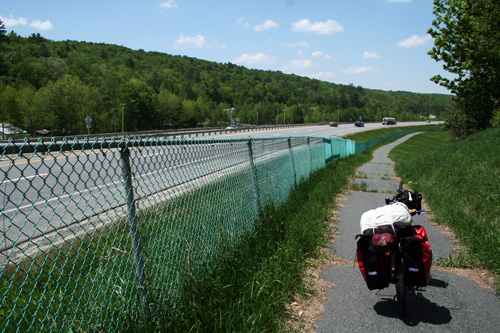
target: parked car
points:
(333, 124)
(359, 123)
(232, 127)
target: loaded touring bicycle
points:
(390, 249)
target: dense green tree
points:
(3, 32)
(9, 108)
(64, 104)
(141, 106)
(30, 120)
(466, 35)
(169, 109)
(3, 40)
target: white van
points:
(389, 121)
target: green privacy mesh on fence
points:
(94, 230)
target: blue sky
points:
(377, 44)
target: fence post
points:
(292, 162)
(254, 177)
(134, 232)
(310, 155)
(327, 149)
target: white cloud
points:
(194, 42)
(299, 44)
(415, 41)
(267, 24)
(168, 4)
(298, 64)
(243, 22)
(370, 55)
(321, 55)
(186, 42)
(42, 25)
(324, 76)
(323, 28)
(359, 70)
(301, 63)
(257, 58)
(13, 22)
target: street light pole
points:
(123, 117)
(338, 116)
(114, 121)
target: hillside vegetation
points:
(54, 85)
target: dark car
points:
(333, 124)
(359, 123)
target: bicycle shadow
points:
(419, 308)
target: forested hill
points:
(54, 85)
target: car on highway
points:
(333, 124)
(359, 123)
(232, 127)
(389, 121)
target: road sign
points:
(88, 121)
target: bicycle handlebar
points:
(419, 211)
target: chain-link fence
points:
(94, 230)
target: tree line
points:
(466, 39)
(55, 85)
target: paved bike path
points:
(450, 303)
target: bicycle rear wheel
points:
(401, 294)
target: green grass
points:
(248, 289)
(372, 134)
(90, 283)
(460, 182)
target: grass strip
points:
(388, 131)
(459, 181)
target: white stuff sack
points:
(385, 215)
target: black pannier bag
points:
(417, 256)
(374, 265)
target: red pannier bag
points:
(373, 265)
(417, 256)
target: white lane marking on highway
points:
(98, 187)
(58, 198)
(24, 178)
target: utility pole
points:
(284, 116)
(123, 117)
(114, 121)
